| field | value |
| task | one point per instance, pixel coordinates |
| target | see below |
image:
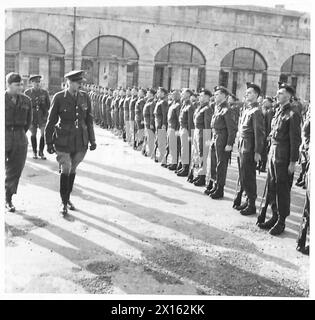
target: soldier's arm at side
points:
(89, 122)
(259, 131)
(52, 120)
(295, 136)
(152, 114)
(231, 127)
(164, 113)
(190, 120)
(47, 105)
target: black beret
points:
(189, 91)
(206, 92)
(151, 90)
(34, 77)
(163, 90)
(13, 77)
(222, 89)
(254, 86)
(288, 88)
(75, 75)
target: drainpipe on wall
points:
(74, 36)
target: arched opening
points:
(32, 51)
(110, 61)
(179, 65)
(296, 71)
(243, 65)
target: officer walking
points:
(224, 130)
(284, 152)
(68, 131)
(251, 143)
(18, 119)
(41, 103)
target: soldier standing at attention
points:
(251, 144)
(186, 126)
(40, 103)
(133, 100)
(148, 117)
(122, 95)
(126, 113)
(108, 102)
(68, 131)
(139, 117)
(202, 135)
(160, 118)
(18, 119)
(224, 130)
(172, 129)
(284, 152)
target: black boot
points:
(71, 181)
(201, 181)
(184, 171)
(238, 199)
(34, 146)
(179, 167)
(8, 202)
(242, 206)
(209, 187)
(250, 209)
(172, 167)
(190, 176)
(218, 193)
(214, 188)
(41, 148)
(64, 193)
(279, 227)
(269, 223)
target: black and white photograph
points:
(157, 149)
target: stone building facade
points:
(172, 46)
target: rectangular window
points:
(33, 65)
(10, 63)
(185, 77)
(223, 78)
(158, 76)
(201, 78)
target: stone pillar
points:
(145, 73)
(193, 78)
(272, 82)
(212, 76)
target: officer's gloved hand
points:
(51, 149)
(93, 146)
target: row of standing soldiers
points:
(193, 135)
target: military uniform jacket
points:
(223, 125)
(173, 115)
(18, 115)
(148, 115)
(40, 105)
(70, 122)
(252, 130)
(108, 102)
(104, 98)
(139, 109)
(132, 105)
(267, 119)
(202, 117)
(186, 116)
(121, 103)
(116, 104)
(160, 113)
(126, 108)
(286, 134)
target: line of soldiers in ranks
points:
(185, 130)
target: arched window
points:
(179, 65)
(110, 60)
(240, 66)
(36, 52)
(296, 71)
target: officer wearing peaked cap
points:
(251, 143)
(18, 118)
(68, 132)
(285, 139)
(40, 106)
